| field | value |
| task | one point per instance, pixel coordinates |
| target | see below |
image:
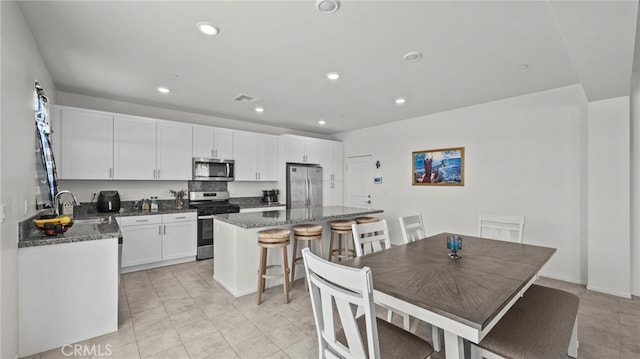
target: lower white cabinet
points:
(157, 240)
(262, 209)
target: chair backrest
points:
(348, 289)
(506, 228)
(412, 228)
(370, 237)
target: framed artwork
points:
(441, 167)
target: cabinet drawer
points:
(179, 217)
(139, 220)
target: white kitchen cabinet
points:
(299, 149)
(173, 151)
(331, 193)
(85, 144)
(158, 240)
(141, 239)
(223, 144)
(331, 160)
(179, 235)
(256, 156)
(134, 148)
(212, 142)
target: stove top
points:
(208, 203)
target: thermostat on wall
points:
(377, 179)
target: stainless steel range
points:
(209, 204)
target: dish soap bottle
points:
(154, 204)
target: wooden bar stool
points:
(273, 238)
(341, 230)
(307, 233)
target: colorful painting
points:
(442, 167)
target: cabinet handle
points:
(215, 153)
(182, 217)
(110, 172)
(165, 229)
(159, 230)
(158, 173)
(154, 174)
(142, 220)
(258, 175)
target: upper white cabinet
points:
(134, 148)
(85, 144)
(300, 149)
(331, 160)
(256, 156)
(173, 151)
(212, 142)
(149, 149)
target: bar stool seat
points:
(341, 230)
(360, 220)
(273, 238)
(307, 233)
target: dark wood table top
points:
(471, 290)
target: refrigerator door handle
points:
(310, 193)
(306, 191)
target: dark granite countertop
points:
(81, 230)
(253, 202)
(292, 216)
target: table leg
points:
(453, 346)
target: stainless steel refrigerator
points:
(304, 186)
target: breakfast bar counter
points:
(235, 245)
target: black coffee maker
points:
(270, 196)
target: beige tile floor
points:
(181, 312)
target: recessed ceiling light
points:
(259, 109)
(333, 75)
(328, 6)
(207, 29)
(523, 66)
(163, 90)
(412, 56)
(322, 122)
(400, 101)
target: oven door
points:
(205, 237)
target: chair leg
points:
(285, 275)
(261, 272)
(306, 285)
(293, 261)
(330, 246)
(573, 344)
(476, 352)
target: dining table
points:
(465, 296)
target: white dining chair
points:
(506, 228)
(349, 289)
(412, 228)
(371, 237)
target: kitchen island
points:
(235, 245)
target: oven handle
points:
(205, 217)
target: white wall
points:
(523, 155)
(635, 177)
(21, 66)
(609, 202)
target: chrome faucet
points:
(56, 201)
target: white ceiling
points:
(280, 52)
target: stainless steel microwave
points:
(211, 169)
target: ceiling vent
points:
(246, 99)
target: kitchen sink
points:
(92, 220)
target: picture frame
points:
(439, 167)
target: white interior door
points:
(359, 181)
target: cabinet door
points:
(245, 150)
(202, 141)
(223, 144)
(134, 148)
(336, 161)
(173, 151)
(336, 194)
(179, 240)
(141, 244)
(294, 149)
(267, 157)
(86, 145)
(312, 151)
(326, 159)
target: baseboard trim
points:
(610, 292)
